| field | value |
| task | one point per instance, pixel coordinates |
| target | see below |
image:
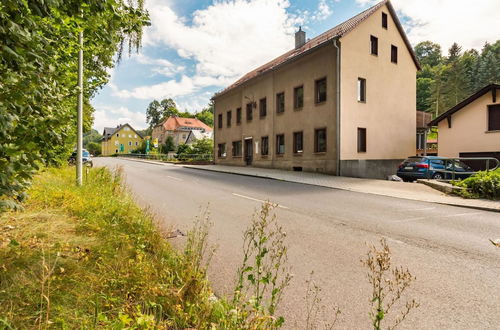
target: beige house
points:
(341, 103)
(178, 128)
(122, 139)
(472, 127)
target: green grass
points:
(89, 257)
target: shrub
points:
(481, 185)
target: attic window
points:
(384, 20)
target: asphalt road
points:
(445, 247)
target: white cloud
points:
(106, 116)
(323, 12)
(469, 23)
(159, 65)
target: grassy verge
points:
(86, 257)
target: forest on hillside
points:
(446, 80)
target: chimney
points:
(300, 38)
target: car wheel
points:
(437, 176)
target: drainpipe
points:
(337, 115)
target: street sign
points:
(156, 142)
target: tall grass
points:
(90, 257)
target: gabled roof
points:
(110, 131)
(334, 33)
(490, 88)
(174, 123)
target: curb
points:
(482, 208)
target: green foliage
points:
(200, 150)
(169, 145)
(481, 185)
(159, 111)
(91, 136)
(94, 148)
(445, 81)
(38, 74)
(207, 115)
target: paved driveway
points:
(446, 247)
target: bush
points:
(481, 185)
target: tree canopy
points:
(445, 81)
(157, 112)
(38, 77)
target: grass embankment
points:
(85, 257)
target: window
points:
(135, 135)
(384, 20)
(136, 143)
(117, 134)
(123, 135)
(394, 54)
(228, 119)
(249, 111)
(280, 102)
(238, 116)
(320, 140)
(361, 139)
(280, 144)
(237, 149)
(220, 121)
(221, 150)
(263, 107)
(298, 97)
(130, 143)
(264, 146)
(420, 141)
(494, 117)
(116, 151)
(127, 129)
(374, 45)
(298, 142)
(361, 90)
(320, 90)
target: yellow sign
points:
(156, 142)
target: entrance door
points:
(248, 151)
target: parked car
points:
(86, 158)
(423, 167)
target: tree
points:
(424, 93)
(153, 114)
(94, 148)
(168, 108)
(437, 95)
(428, 53)
(454, 53)
(169, 145)
(38, 73)
(91, 136)
(207, 115)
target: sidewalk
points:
(412, 191)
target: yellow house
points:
(122, 139)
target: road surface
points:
(446, 247)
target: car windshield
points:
(85, 154)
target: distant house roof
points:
(423, 118)
(334, 33)
(176, 123)
(110, 131)
(490, 88)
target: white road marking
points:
(411, 219)
(173, 177)
(422, 209)
(257, 200)
(460, 214)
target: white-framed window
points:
(129, 143)
(123, 135)
(130, 136)
(116, 143)
(127, 128)
(135, 135)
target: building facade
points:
(122, 139)
(472, 127)
(178, 128)
(342, 103)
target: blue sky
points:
(195, 48)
